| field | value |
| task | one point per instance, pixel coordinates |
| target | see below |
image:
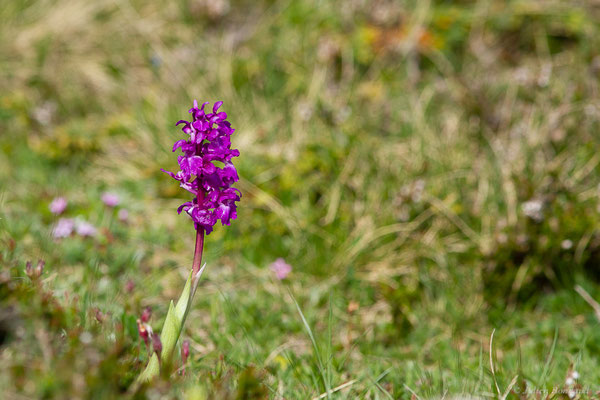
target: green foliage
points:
(546, 254)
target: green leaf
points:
(170, 333)
(172, 327)
(152, 370)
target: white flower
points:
(533, 209)
(566, 244)
(569, 381)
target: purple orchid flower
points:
(209, 140)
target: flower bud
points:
(36, 272)
(100, 316)
(129, 286)
(146, 314)
(40, 268)
(185, 353)
(144, 331)
(185, 350)
(156, 343)
(29, 269)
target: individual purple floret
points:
(110, 199)
(209, 140)
(64, 228)
(58, 205)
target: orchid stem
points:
(198, 251)
(199, 237)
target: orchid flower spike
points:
(209, 140)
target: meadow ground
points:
(429, 169)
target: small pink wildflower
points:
(84, 228)
(64, 228)
(129, 286)
(123, 215)
(110, 199)
(58, 205)
(281, 268)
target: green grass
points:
(388, 151)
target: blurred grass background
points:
(430, 169)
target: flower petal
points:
(185, 206)
(178, 144)
(208, 168)
(172, 175)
